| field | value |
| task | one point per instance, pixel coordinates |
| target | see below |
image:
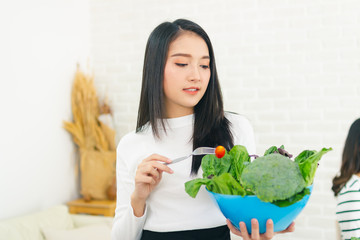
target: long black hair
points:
(350, 163)
(211, 128)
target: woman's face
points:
(186, 74)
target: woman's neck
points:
(176, 114)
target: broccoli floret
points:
(273, 177)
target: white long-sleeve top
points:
(169, 207)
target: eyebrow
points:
(187, 55)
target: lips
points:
(191, 89)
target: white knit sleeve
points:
(126, 226)
(242, 131)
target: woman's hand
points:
(255, 235)
(148, 175)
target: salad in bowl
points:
(273, 186)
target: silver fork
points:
(197, 151)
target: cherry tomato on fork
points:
(220, 151)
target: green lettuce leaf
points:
(226, 184)
(213, 166)
(192, 187)
(239, 160)
(308, 162)
(273, 149)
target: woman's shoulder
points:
(352, 184)
(349, 193)
(242, 131)
(238, 120)
(133, 138)
(351, 187)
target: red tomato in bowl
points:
(220, 151)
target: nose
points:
(195, 74)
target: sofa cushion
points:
(91, 232)
(29, 226)
(81, 220)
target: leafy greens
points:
(274, 177)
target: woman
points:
(346, 187)
(180, 109)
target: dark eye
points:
(205, 66)
(181, 64)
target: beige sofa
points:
(56, 223)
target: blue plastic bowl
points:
(237, 209)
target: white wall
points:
(40, 44)
(292, 67)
